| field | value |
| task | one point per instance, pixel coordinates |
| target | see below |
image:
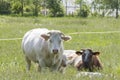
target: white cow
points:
(44, 47)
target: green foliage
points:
(36, 8)
(96, 14)
(83, 9)
(112, 4)
(55, 8)
(5, 7)
(17, 7)
(27, 9)
(84, 12)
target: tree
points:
(66, 2)
(80, 2)
(22, 4)
(5, 7)
(84, 9)
(44, 7)
(16, 7)
(96, 7)
(116, 6)
(55, 8)
(112, 4)
(37, 5)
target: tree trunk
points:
(80, 5)
(66, 7)
(117, 13)
(117, 9)
(36, 7)
(36, 10)
(22, 7)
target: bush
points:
(84, 12)
(96, 14)
(5, 7)
(55, 8)
(17, 7)
(56, 13)
(28, 8)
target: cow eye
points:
(84, 55)
(90, 55)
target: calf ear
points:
(78, 53)
(66, 38)
(45, 36)
(96, 53)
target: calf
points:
(90, 60)
(44, 47)
(84, 59)
(73, 57)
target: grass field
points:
(12, 63)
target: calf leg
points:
(28, 63)
(91, 68)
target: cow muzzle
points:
(55, 51)
(86, 64)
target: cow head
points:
(87, 55)
(55, 42)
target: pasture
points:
(107, 42)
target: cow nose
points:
(64, 65)
(55, 51)
(86, 64)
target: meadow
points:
(12, 63)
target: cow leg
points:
(39, 68)
(62, 66)
(28, 63)
(57, 66)
(41, 64)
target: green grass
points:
(12, 63)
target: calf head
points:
(55, 43)
(87, 55)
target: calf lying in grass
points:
(84, 59)
(90, 60)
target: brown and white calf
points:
(90, 60)
(72, 57)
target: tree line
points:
(55, 8)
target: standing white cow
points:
(44, 47)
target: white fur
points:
(89, 74)
(72, 57)
(39, 50)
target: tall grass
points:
(12, 63)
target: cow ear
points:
(45, 36)
(66, 38)
(96, 53)
(78, 53)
